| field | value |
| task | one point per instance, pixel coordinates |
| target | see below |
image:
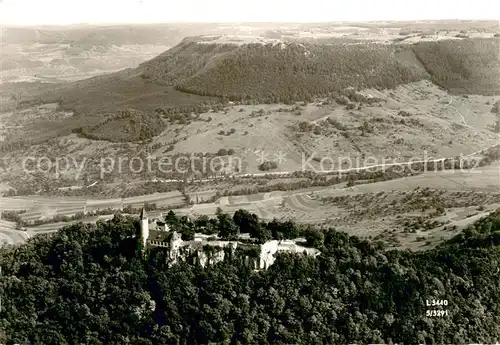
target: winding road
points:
(70, 206)
(339, 171)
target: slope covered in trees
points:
(464, 66)
(87, 284)
(296, 71)
(127, 125)
(195, 75)
(278, 72)
(192, 71)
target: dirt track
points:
(297, 204)
(9, 234)
(38, 207)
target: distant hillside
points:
(119, 91)
(22, 62)
(191, 72)
(464, 66)
(273, 72)
(185, 60)
(198, 72)
(90, 35)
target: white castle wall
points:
(144, 232)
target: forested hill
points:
(272, 72)
(197, 75)
(87, 285)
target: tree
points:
(354, 292)
(265, 166)
(496, 108)
(171, 218)
(289, 230)
(249, 223)
(186, 228)
(227, 227)
(222, 152)
(245, 220)
(314, 237)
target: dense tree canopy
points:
(88, 285)
(301, 71)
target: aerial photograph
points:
(249, 172)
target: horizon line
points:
(253, 22)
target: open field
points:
(46, 207)
(470, 195)
(151, 174)
(486, 179)
(53, 63)
(416, 121)
(10, 235)
(393, 100)
(406, 212)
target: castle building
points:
(206, 250)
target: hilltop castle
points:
(206, 250)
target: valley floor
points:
(413, 122)
(363, 210)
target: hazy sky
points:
(26, 12)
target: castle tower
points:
(144, 223)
